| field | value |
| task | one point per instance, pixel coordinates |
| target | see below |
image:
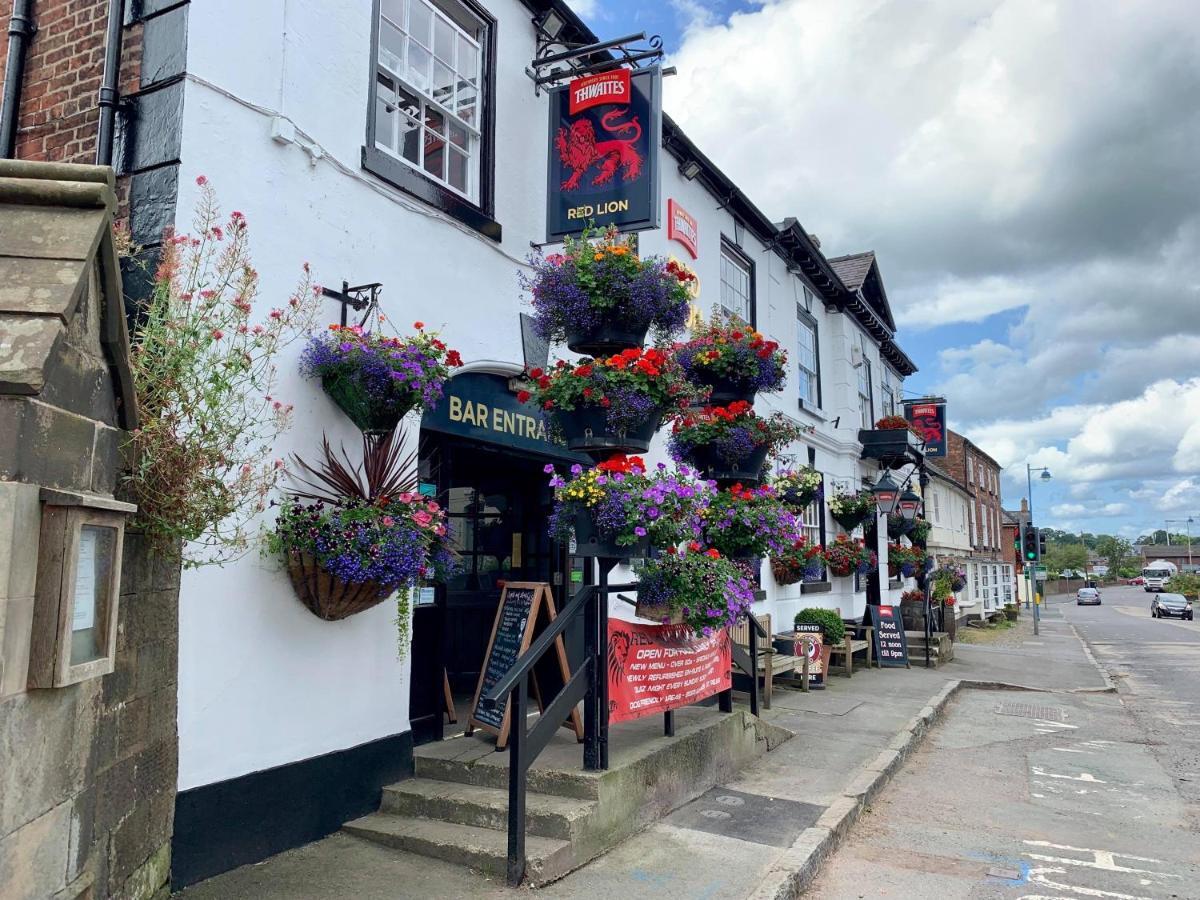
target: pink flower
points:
(277, 314)
(258, 329)
(389, 521)
(217, 334)
(422, 518)
(201, 180)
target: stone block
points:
(149, 880)
(16, 630)
(148, 617)
(27, 342)
(20, 524)
(157, 664)
(83, 832)
(106, 459)
(133, 722)
(44, 445)
(138, 838)
(136, 564)
(33, 858)
(40, 286)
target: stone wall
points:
(87, 771)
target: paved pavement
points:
(756, 835)
(1049, 796)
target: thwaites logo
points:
(577, 146)
(683, 227)
(592, 90)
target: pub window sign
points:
(78, 589)
(605, 135)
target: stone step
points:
(579, 784)
(483, 849)
(564, 818)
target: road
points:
(1050, 796)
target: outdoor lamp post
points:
(909, 505)
(886, 492)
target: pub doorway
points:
(498, 505)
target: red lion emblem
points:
(579, 151)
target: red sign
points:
(656, 668)
(592, 90)
(928, 418)
(683, 227)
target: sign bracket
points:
(548, 69)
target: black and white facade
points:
(402, 142)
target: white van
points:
(1156, 574)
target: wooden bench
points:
(770, 661)
(849, 647)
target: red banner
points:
(655, 668)
(683, 227)
(592, 90)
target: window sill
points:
(811, 411)
(406, 179)
(816, 587)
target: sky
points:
(1028, 174)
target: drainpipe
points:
(108, 86)
(20, 30)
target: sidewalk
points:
(762, 835)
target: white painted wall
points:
(262, 681)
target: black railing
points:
(589, 684)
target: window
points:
(428, 130)
(892, 403)
(737, 282)
(866, 402)
(807, 361)
(970, 469)
(935, 505)
(971, 511)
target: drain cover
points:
(1033, 711)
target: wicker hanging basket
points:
(326, 595)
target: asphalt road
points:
(1050, 796)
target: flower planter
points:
(797, 499)
(590, 542)
(327, 596)
(367, 413)
(850, 521)
(889, 444)
(606, 338)
(660, 613)
(724, 390)
(898, 527)
(841, 571)
(748, 469)
(587, 431)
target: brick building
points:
(989, 572)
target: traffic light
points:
(1030, 540)
(1041, 544)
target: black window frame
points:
(728, 245)
(803, 315)
(481, 216)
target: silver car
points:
(1087, 597)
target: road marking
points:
(1038, 874)
(1082, 776)
(1069, 750)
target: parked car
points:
(1087, 597)
(1139, 581)
(1171, 606)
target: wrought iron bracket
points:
(556, 60)
(360, 298)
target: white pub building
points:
(402, 142)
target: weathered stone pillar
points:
(87, 770)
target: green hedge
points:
(831, 619)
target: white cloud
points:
(585, 9)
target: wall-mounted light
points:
(689, 169)
(550, 24)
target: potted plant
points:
(918, 531)
(851, 509)
(731, 443)
(748, 523)
(733, 360)
(845, 556)
(952, 576)
(803, 561)
(798, 487)
(601, 298)
(890, 439)
(351, 539)
(898, 526)
(612, 403)
(694, 587)
(903, 561)
(833, 629)
(619, 510)
(375, 379)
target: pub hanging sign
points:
(605, 133)
(928, 419)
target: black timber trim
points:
(244, 820)
(730, 247)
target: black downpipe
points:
(20, 30)
(108, 86)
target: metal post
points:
(753, 668)
(591, 701)
(804, 686)
(516, 782)
(600, 661)
(725, 701)
(669, 723)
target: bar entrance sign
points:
(891, 646)
(526, 608)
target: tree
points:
(1116, 549)
(1063, 557)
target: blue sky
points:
(1025, 171)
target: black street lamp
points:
(909, 505)
(886, 492)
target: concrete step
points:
(579, 784)
(564, 818)
(483, 849)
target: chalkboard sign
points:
(891, 646)
(526, 608)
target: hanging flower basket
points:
(591, 540)
(733, 360)
(717, 465)
(844, 557)
(803, 561)
(589, 430)
(659, 612)
(898, 526)
(600, 297)
(852, 509)
(731, 443)
(694, 587)
(326, 595)
(605, 337)
(851, 519)
(376, 380)
(744, 522)
(798, 487)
